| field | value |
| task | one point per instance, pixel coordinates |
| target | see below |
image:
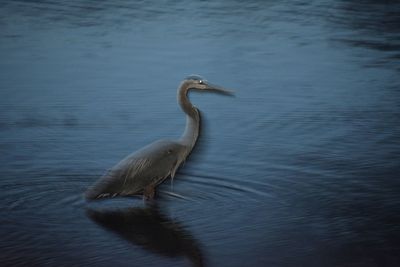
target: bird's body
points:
(140, 172)
(136, 174)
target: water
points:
(301, 168)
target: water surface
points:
(301, 168)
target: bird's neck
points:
(191, 133)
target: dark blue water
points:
(301, 168)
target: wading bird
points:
(140, 172)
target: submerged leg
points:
(148, 193)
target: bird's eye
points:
(200, 81)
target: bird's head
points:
(199, 83)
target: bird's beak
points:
(219, 89)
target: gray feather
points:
(149, 165)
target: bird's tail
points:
(91, 194)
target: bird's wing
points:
(147, 166)
(128, 168)
(120, 180)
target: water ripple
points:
(191, 187)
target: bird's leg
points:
(148, 193)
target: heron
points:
(142, 171)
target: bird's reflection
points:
(149, 228)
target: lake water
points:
(300, 168)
